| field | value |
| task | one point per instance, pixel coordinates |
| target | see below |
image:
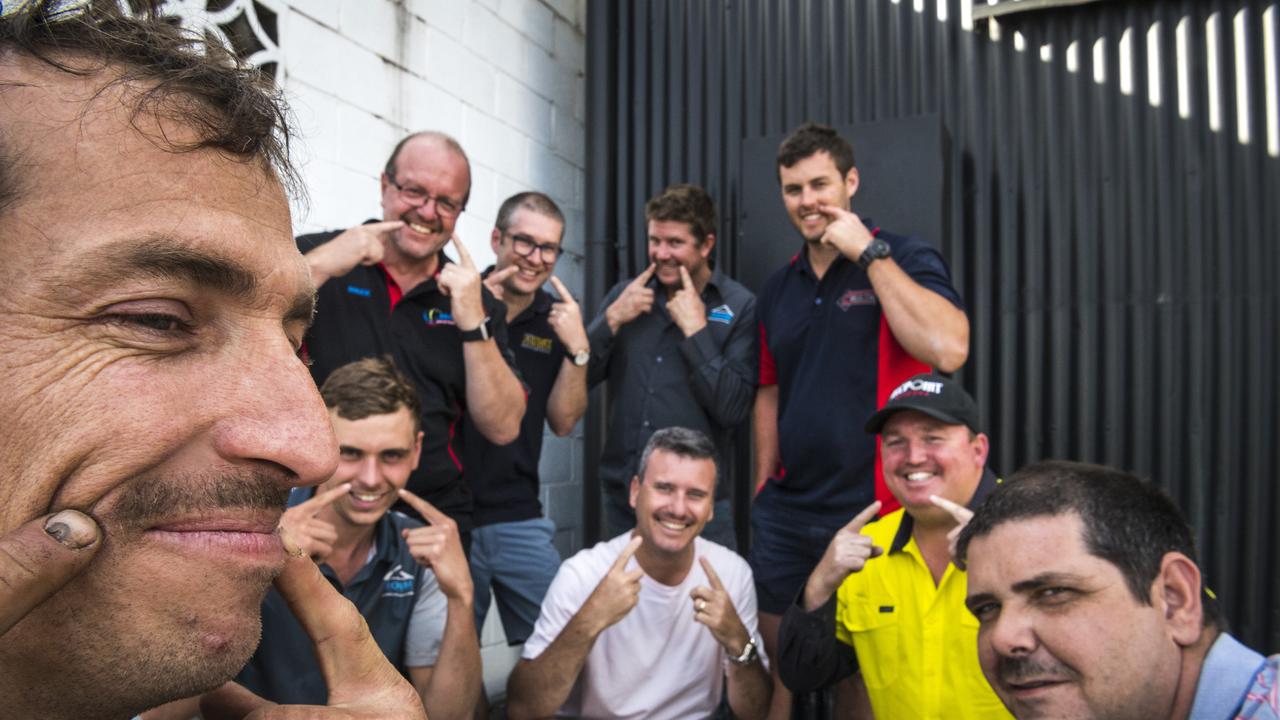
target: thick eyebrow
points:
(163, 257)
(1045, 580)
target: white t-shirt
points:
(657, 662)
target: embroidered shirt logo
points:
(435, 316)
(856, 297)
(536, 344)
(357, 290)
(397, 583)
(720, 314)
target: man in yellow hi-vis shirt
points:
(886, 599)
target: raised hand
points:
(686, 307)
(713, 607)
(461, 282)
(315, 536)
(635, 299)
(38, 558)
(846, 232)
(438, 547)
(962, 516)
(360, 245)
(617, 592)
(566, 319)
(362, 683)
(847, 553)
(496, 278)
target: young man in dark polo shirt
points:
(677, 345)
(388, 288)
(408, 580)
(512, 549)
(856, 312)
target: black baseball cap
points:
(936, 396)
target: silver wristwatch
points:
(749, 654)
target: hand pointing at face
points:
(847, 553)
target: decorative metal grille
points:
(250, 27)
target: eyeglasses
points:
(524, 247)
(418, 197)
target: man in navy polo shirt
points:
(388, 288)
(408, 580)
(855, 313)
(511, 546)
(677, 345)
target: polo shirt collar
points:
(1225, 677)
(986, 484)
(541, 305)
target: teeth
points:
(918, 476)
(366, 497)
(423, 229)
(672, 525)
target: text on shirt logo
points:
(720, 314)
(536, 344)
(435, 316)
(856, 297)
(397, 583)
(362, 292)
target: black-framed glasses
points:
(418, 197)
(524, 247)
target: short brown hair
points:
(372, 386)
(812, 138)
(442, 138)
(687, 204)
(183, 76)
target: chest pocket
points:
(873, 623)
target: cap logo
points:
(916, 386)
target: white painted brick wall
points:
(503, 76)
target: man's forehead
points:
(905, 419)
(667, 466)
(1017, 551)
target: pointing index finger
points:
(561, 290)
(643, 277)
(961, 513)
(503, 274)
(711, 574)
(429, 512)
(627, 552)
(685, 280)
(464, 257)
(318, 501)
(864, 517)
(834, 212)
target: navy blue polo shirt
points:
(355, 319)
(504, 478)
(828, 348)
(284, 668)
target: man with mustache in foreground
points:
(1090, 604)
(387, 288)
(152, 305)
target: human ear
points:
(1177, 592)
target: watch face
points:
(582, 358)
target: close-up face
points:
(674, 502)
(428, 193)
(671, 245)
(152, 305)
(376, 455)
(923, 456)
(532, 244)
(1060, 635)
(811, 182)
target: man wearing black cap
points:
(885, 598)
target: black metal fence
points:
(1109, 208)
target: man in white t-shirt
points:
(634, 627)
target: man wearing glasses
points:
(388, 288)
(678, 346)
(512, 547)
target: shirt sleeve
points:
(768, 368)
(565, 596)
(927, 267)
(723, 378)
(809, 655)
(601, 339)
(426, 625)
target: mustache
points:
(143, 502)
(1011, 669)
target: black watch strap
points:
(876, 250)
(481, 332)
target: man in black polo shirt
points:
(511, 545)
(409, 581)
(387, 287)
(678, 347)
(856, 312)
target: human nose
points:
(367, 474)
(1011, 633)
(916, 453)
(808, 197)
(273, 414)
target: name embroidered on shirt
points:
(720, 314)
(362, 292)
(856, 297)
(397, 583)
(435, 316)
(536, 343)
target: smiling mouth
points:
(674, 525)
(420, 229)
(1031, 686)
(922, 476)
